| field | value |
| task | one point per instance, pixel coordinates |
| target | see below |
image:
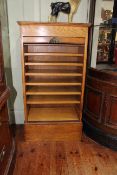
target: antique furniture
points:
(53, 70)
(100, 105)
(6, 142)
(100, 109)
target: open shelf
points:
(53, 73)
(47, 72)
(53, 91)
(52, 114)
(53, 100)
(53, 81)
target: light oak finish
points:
(41, 40)
(54, 68)
(47, 73)
(53, 114)
(52, 100)
(53, 64)
(53, 91)
(53, 131)
(54, 54)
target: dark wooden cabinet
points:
(7, 147)
(100, 109)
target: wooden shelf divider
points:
(53, 64)
(52, 100)
(52, 84)
(53, 91)
(54, 54)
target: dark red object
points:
(116, 56)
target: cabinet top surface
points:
(22, 23)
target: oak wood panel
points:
(53, 132)
(49, 59)
(55, 48)
(47, 40)
(53, 99)
(60, 29)
(53, 91)
(52, 114)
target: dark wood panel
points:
(6, 141)
(112, 118)
(100, 111)
(94, 102)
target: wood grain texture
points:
(53, 114)
(53, 100)
(4, 97)
(60, 29)
(53, 131)
(53, 64)
(53, 91)
(64, 158)
(100, 109)
(65, 55)
(47, 39)
(6, 142)
(63, 47)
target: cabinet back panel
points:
(56, 48)
(55, 59)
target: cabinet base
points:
(99, 136)
(52, 132)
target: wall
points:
(30, 10)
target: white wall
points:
(30, 10)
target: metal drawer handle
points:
(2, 154)
(54, 40)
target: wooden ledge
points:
(53, 23)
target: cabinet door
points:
(5, 139)
(111, 118)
